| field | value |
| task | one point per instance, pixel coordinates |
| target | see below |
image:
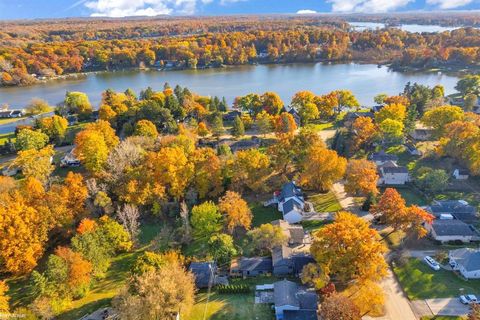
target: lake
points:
(416, 28)
(364, 80)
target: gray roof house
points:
(205, 273)
(294, 232)
(466, 261)
(285, 262)
(392, 174)
(460, 209)
(290, 202)
(381, 157)
(292, 302)
(250, 267)
(445, 230)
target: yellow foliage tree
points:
(35, 163)
(361, 177)
(250, 168)
(235, 210)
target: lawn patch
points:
(411, 196)
(324, 202)
(262, 215)
(421, 282)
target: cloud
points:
(306, 11)
(124, 8)
(449, 4)
(370, 6)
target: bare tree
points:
(126, 154)
(186, 223)
(129, 215)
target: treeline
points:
(24, 64)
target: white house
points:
(460, 174)
(290, 202)
(392, 174)
(466, 261)
(380, 158)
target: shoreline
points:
(449, 70)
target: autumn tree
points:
(160, 294)
(392, 111)
(348, 249)
(391, 130)
(284, 124)
(264, 122)
(304, 102)
(266, 237)
(23, 232)
(4, 307)
(35, 163)
(37, 106)
(367, 296)
(345, 99)
(470, 101)
(439, 117)
(207, 178)
(222, 248)
(202, 129)
(145, 128)
(392, 210)
(238, 128)
(235, 211)
(54, 127)
(78, 102)
(365, 132)
(30, 139)
(271, 103)
(339, 307)
(321, 168)
(206, 220)
(250, 169)
(129, 217)
(361, 177)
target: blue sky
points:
(20, 9)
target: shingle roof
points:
(467, 257)
(300, 315)
(291, 205)
(295, 233)
(300, 261)
(285, 293)
(254, 264)
(204, 273)
(390, 169)
(280, 253)
(308, 300)
(382, 157)
(290, 190)
(452, 228)
(458, 208)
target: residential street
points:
(397, 305)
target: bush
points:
(233, 288)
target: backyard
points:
(421, 282)
(324, 202)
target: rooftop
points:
(467, 257)
(452, 228)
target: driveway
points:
(397, 306)
(447, 307)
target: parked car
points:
(468, 299)
(432, 263)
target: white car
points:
(432, 263)
(468, 299)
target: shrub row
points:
(234, 288)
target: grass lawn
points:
(421, 282)
(312, 225)
(411, 196)
(321, 126)
(263, 214)
(5, 136)
(325, 202)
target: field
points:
(421, 282)
(263, 214)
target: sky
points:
(30, 9)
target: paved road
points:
(397, 306)
(447, 307)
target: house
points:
(460, 174)
(459, 209)
(69, 160)
(231, 115)
(350, 117)
(294, 113)
(286, 262)
(392, 174)
(381, 157)
(295, 234)
(292, 301)
(251, 267)
(12, 113)
(205, 273)
(466, 261)
(447, 228)
(412, 149)
(245, 144)
(290, 202)
(422, 134)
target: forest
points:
(33, 51)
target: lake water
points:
(361, 26)
(364, 80)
